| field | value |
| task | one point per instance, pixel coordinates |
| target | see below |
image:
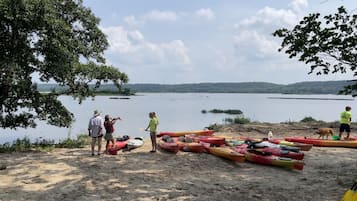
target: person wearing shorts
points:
(345, 122)
(153, 129)
(109, 129)
(95, 130)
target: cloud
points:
(205, 13)
(255, 44)
(298, 5)
(131, 48)
(157, 15)
(267, 17)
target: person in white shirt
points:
(95, 130)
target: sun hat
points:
(96, 113)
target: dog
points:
(324, 132)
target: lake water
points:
(182, 111)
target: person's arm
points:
(89, 128)
(114, 119)
(147, 127)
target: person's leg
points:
(99, 144)
(341, 131)
(348, 131)
(154, 141)
(107, 146)
(93, 144)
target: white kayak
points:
(134, 143)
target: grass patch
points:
(24, 144)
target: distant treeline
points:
(318, 87)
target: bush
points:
(214, 127)
(241, 120)
(18, 145)
(228, 120)
(308, 119)
(80, 142)
(43, 144)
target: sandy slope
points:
(72, 174)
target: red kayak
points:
(113, 149)
(275, 152)
(258, 157)
(217, 141)
(183, 133)
(169, 146)
(190, 146)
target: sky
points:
(195, 41)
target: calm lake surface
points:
(182, 111)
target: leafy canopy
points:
(58, 41)
(328, 44)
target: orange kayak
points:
(323, 143)
(226, 152)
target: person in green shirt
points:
(153, 129)
(345, 122)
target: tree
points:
(328, 45)
(58, 41)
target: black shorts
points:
(345, 127)
(153, 134)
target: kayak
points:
(303, 146)
(351, 194)
(323, 143)
(289, 163)
(134, 143)
(190, 146)
(183, 133)
(114, 148)
(226, 152)
(274, 151)
(169, 146)
(217, 141)
(263, 144)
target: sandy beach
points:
(72, 174)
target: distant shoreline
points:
(301, 88)
(348, 99)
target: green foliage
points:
(230, 111)
(59, 41)
(18, 145)
(241, 120)
(308, 119)
(214, 127)
(80, 142)
(24, 144)
(328, 44)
